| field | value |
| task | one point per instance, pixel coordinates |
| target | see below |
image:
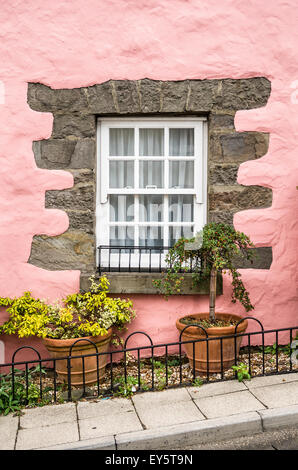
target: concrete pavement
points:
(169, 419)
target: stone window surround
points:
(72, 147)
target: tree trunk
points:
(212, 294)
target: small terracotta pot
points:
(61, 348)
(214, 348)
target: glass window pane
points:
(121, 174)
(151, 142)
(151, 174)
(121, 208)
(151, 236)
(151, 208)
(121, 236)
(121, 142)
(181, 208)
(177, 232)
(181, 174)
(181, 142)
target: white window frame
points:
(200, 178)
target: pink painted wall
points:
(80, 43)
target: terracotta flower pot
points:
(214, 348)
(61, 348)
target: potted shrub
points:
(90, 316)
(214, 250)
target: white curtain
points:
(151, 175)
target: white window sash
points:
(103, 191)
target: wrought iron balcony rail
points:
(142, 259)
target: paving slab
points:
(109, 425)
(271, 380)
(218, 388)
(48, 415)
(191, 433)
(168, 414)
(276, 396)
(228, 404)
(159, 398)
(38, 437)
(98, 443)
(277, 418)
(8, 431)
(104, 407)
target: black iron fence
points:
(154, 366)
(121, 258)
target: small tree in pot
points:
(213, 251)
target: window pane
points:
(151, 142)
(151, 236)
(177, 232)
(121, 208)
(181, 208)
(181, 142)
(151, 208)
(121, 174)
(121, 142)
(181, 174)
(122, 236)
(151, 174)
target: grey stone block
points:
(150, 95)
(101, 99)
(164, 397)
(48, 416)
(271, 380)
(8, 431)
(40, 437)
(103, 407)
(79, 125)
(237, 198)
(102, 425)
(228, 404)
(155, 416)
(71, 250)
(241, 146)
(99, 443)
(191, 433)
(218, 388)
(277, 396)
(53, 153)
(279, 417)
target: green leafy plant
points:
(282, 348)
(242, 371)
(197, 382)
(219, 246)
(13, 402)
(83, 314)
(127, 388)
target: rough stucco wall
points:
(78, 44)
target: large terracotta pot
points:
(214, 348)
(61, 348)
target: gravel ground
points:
(171, 378)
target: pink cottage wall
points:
(82, 42)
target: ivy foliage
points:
(83, 314)
(221, 243)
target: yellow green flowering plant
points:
(83, 314)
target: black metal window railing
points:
(144, 259)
